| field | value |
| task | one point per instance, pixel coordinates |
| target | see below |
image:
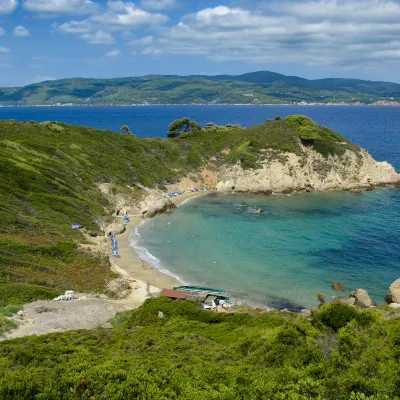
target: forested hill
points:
(253, 88)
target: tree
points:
(184, 125)
(125, 130)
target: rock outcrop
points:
(116, 228)
(393, 296)
(281, 172)
(159, 207)
(361, 298)
(338, 287)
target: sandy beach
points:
(149, 280)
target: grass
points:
(5, 312)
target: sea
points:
(301, 246)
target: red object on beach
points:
(133, 280)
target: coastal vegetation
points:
(253, 88)
(336, 353)
(50, 177)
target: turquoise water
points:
(301, 246)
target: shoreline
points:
(148, 278)
(206, 105)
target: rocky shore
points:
(287, 172)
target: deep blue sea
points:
(302, 245)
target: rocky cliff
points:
(309, 172)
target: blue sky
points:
(48, 39)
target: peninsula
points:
(255, 88)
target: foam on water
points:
(135, 238)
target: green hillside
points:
(49, 177)
(337, 354)
(253, 88)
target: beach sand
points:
(149, 280)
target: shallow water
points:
(304, 243)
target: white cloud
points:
(75, 27)
(125, 15)
(8, 6)
(21, 31)
(152, 51)
(157, 4)
(98, 37)
(4, 50)
(113, 53)
(127, 35)
(144, 41)
(61, 6)
(322, 32)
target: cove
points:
(301, 246)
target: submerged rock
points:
(338, 287)
(393, 295)
(361, 298)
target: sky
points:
(54, 39)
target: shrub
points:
(337, 316)
(19, 293)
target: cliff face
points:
(311, 171)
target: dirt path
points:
(41, 317)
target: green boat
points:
(200, 289)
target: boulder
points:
(350, 301)
(393, 295)
(116, 228)
(394, 305)
(68, 296)
(118, 285)
(159, 207)
(338, 287)
(362, 298)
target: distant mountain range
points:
(253, 88)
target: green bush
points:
(193, 354)
(21, 293)
(337, 316)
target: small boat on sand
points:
(200, 289)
